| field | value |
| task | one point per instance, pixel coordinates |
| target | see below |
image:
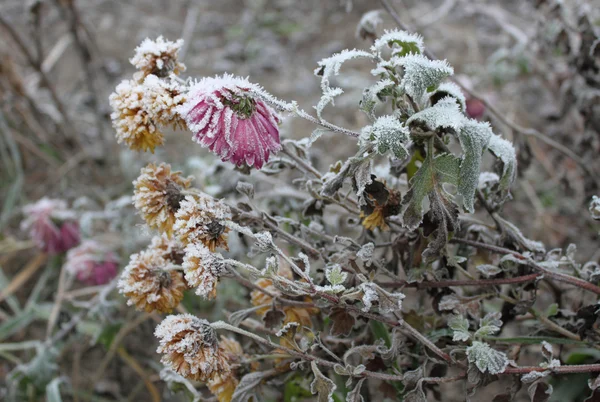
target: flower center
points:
(215, 229)
(244, 106)
(174, 195)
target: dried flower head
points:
(223, 386)
(191, 348)
(51, 225)
(160, 99)
(168, 248)
(202, 269)
(157, 195)
(133, 124)
(149, 285)
(380, 203)
(228, 119)
(202, 219)
(158, 57)
(92, 263)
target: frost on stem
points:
(226, 117)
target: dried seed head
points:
(133, 124)
(190, 348)
(158, 57)
(150, 287)
(170, 249)
(203, 269)
(201, 219)
(160, 98)
(157, 195)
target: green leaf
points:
(460, 326)
(504, 151)
(380, 331)
(444, 114)
(53, 390)
(422, 74)
(474, 138)
(401, 43)
(581, 355)
(487, 359)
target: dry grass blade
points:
(135, 366)
(22, 277)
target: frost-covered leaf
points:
(245, 188)
(372, 96)
(335, 275)
(460, 326)
(422, 75)
(517, 236)
(367, 26)
(273, 318)
(486, 359)
(540, 391)
(534, 376)
(366, 252)
(489, 325)
(504, 151)
(245, 390)
(595, 208)
(388, 134)
(429, 178)
(449, 89)
(354, 395)
(444, 114)
(489, 270)
(388, 302)
(400, 42)
(416, 395)
(321, 386)
(328, 96)
(474, 138)
(363, 177)
(331, 65)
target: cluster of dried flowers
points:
(322, 279)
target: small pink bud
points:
(475, 108)
(69, 235)
(91, 263)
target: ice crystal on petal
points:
(422, 75)
(200, 218)
(202, 269)
(401, 43)
(388, 134)
(190, 348)
(133, 124)
(228, 119)
(487, 359)
(157, 57)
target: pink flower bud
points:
(51, 225)
(91, 263)
(228, 119)
(475, 108)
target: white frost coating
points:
(370, 97)
(489, 270)
(335, 275)
(487, 359)
(453, 90)
(329, 95)
(369, 295)
(155, 50)
(366, 252)
(460, 326)
(504, 151)
(286, 328)
(330, 66)
(369, 22)
(487, 179)
(388, 134)
(389, 38)
(172, 325)
(196, 214)
(202, 269)
(263, 241)
(422, 74)
(444, 114)
(474, 138)
(595, 207)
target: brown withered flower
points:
(381, 203)
(148, 285)
(158, 194)
(158, 57)
(202, 219)
(168, 248)
(202, 269)
(190, 347)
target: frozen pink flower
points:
(227, 118)
(51, 225)
(91, 263)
